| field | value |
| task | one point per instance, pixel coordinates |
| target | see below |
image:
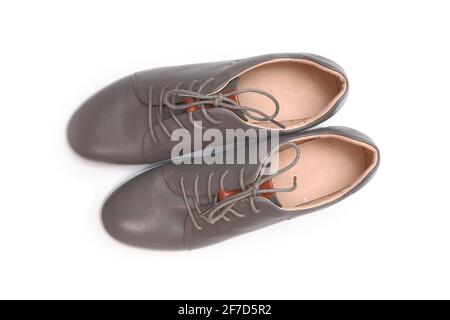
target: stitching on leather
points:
(232, 63)
(184, 233)
(135, 89)
(187, 216)
(168, 184)
(143, 146)
(175, 191)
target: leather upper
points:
(110, 125)
(149, 211)
(113, 126)
(145, 211)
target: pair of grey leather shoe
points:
(188, 206)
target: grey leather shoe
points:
(131, 120)
(182, 207)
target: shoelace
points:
(169, 97)
(219, 210)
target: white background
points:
(390, 240)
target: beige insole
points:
(303, 90)
(326, 166)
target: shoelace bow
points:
(219, 210)
(169, 97)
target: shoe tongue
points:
(271, 196)
(275, 200)
(267, 185)
(232, 86)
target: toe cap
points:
(145, 213)
(110, 125)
